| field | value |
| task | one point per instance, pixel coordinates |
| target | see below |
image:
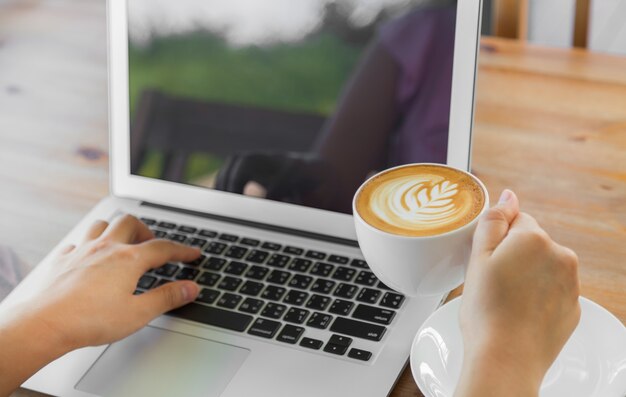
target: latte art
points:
(420, 200)
(409, 203)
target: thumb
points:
(494, 224)
(167, 297)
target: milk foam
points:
(421, 200)
(417, 203)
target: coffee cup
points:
(415, 223)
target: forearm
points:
(26, 345)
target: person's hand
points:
(90, 301)
(84, 297)
(519, 305)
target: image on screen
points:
(294, 101)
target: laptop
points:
(244, 128)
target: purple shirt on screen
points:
(422, 43)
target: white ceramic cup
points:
(417, 266)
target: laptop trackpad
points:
(156, 362)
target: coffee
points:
(420, 200)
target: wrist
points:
(494, 369)
(34, 332)
(27, 345)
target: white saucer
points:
(591, 364)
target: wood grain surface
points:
(550, 124)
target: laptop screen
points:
(294, 101)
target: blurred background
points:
(594, 24)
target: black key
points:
(311, 343)
(251, 305)
(187, 274)
(278, 277)
(166, 225)
(338, 344)
(342, 260)
(323, 286)
(344, 273)
(300, 264)
(236, 268)
(197, 262)
(366, 278)
(257, 272)
(207, 295)
(319, 320)
(346, 290)
(359, 354)
(273, 292)
(296, 297)
(213, 316)
(340, 340)
(335, 349)
(315, 255)
(264, 328)
(322, 269)
(148, 221)
(251, 288)
(293, 250)
(278, 260)
(215, 263)
(228, 237)
(146, 282)
(229, 301)
(358, 329)
(179, 238)
(167, 270)
(235, 251)
(207, 233)
(373, 314)
(300, 281)
(360, 263)
(208, 278)
(368, 295)
(271, 246)
(290, 334)
(257, 256)
(215, 248)
(159, 233)
(229, 283)
(295, 315)
(384, 286)
(249, 241)
(392, 300)
(197, 242)
(318, 302)
(341, 306)
(273, 310)
(186, 229)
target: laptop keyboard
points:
(276, 291)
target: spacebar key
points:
(213, 316)
(358, 329)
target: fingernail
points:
(505, 196)
(189, 291)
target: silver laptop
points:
(244, 128)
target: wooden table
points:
(550, 124)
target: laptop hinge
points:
(265, 226)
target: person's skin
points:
(519, 305)
(88, 299)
